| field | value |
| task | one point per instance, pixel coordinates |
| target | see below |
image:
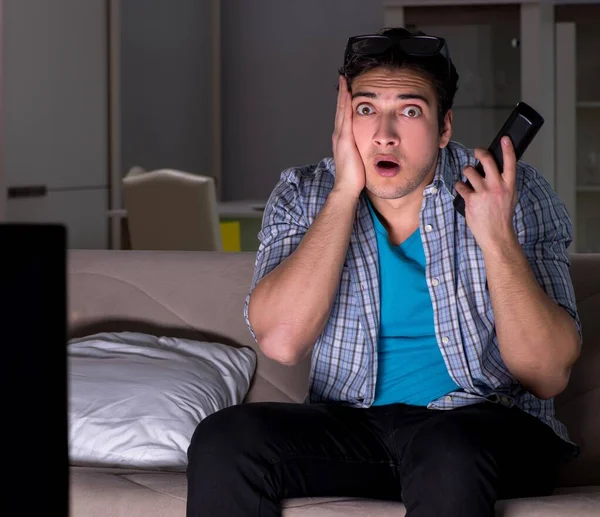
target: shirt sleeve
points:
(545, 232)
(283, 227)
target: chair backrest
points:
(171, 210)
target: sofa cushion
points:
(139, 494)
(136, 399)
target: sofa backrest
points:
(578, 407)
(195, 294)
(200, 295)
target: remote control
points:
(521, 126)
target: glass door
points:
(484, 43)
(578, 71)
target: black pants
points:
(243, 460)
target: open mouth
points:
(387, 167)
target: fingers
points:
(509, 165)
(510, 161)
(343, 117)
(492, 174)
(494, 190)
(347, 122)
(464, 190)
(339, 113)
(475, 179)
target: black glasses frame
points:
(387, 43)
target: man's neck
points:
(399, 219)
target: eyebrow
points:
(402, 96)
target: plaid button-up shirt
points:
(344, 359)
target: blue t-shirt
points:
(411, 367)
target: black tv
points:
(33, 337)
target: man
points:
(438, 341)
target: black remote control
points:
(521, 126)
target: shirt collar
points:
(443, 171)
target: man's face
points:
(395, 124)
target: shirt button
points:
(445, 340)
(434, 190)
(428, 228)
(435, 282)
(448, 398)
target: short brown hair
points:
(440, 72)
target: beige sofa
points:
(187, 293)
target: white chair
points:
(171, 210)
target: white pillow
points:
(136, 399)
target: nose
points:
(386, 135)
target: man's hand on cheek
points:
(490, 204)
(349, 167)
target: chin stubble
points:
(399, 191)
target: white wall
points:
(165, 67)
(277, 100)
(55, 114)
(280, 62)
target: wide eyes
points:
(412, 111)
(365, 109)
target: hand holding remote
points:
(491, 200)
(521, 126)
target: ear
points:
(446, 132)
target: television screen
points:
(33, 336)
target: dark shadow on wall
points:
(146, 327)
